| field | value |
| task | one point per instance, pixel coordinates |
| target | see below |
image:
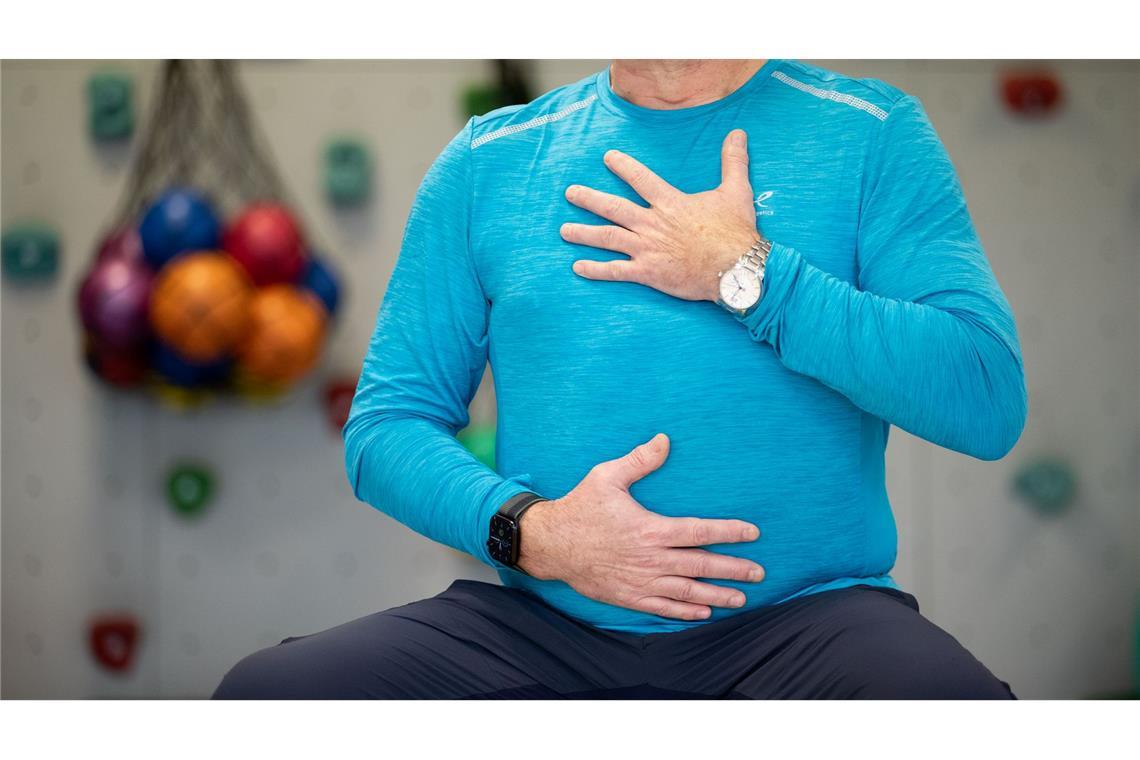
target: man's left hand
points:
(681, 242)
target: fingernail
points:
(571, 192)
(751, 533)
(564, 229)
(738, 601)
(738, 138)
(577, 267)
(702, 614)
(756, 574)
(609, 156)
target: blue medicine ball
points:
(186, 374)
(322, 281)
(180, 220)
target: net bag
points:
(206, 282)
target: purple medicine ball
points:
(113, 301)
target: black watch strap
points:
(516, 505)
(504, 538)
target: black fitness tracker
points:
(504, 540)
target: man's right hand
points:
(608, 547)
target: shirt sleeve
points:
(424, 363)
(926, 339)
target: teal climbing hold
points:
(30, 252)
(1047, 484)
(110, 107)
(348, 172)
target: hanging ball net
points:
(205, 281)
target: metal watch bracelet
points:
(756, 257)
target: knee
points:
(256, 676)
(962, 680)
(364, 658)
(931, 666)
(289, 670)
(895, 653)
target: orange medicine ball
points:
(200, 305)
(287, 329)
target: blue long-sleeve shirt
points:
(879, 309)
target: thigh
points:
(857, 643)
(475, 640)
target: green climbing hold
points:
(110, 107)
(348, 172)
(30, 252)
(482, 98)
(1048, 484)
(511, 86)
(480, 441)
(189, 489)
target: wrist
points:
(537, 539)
(712, 291)
(740, 245)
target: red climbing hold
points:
(1031, 93)
(338, 401)
(113, 639)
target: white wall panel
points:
(1047, 603)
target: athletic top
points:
(879, 309)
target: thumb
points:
(641, 461)
(734, 159)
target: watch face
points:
(740, 288)
(502, 543)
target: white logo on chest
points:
(761, 201)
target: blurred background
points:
(173, 500)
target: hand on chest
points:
(523, 218)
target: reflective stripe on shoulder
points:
(538, 121)
(838, 97)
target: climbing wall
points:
(1047, 601)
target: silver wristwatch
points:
(743, 284)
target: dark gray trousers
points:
(477, 640)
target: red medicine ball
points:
(266, 240)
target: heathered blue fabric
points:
(879, 309)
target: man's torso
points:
(586, 370)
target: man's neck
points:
(669, 84)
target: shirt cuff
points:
(779, 276)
